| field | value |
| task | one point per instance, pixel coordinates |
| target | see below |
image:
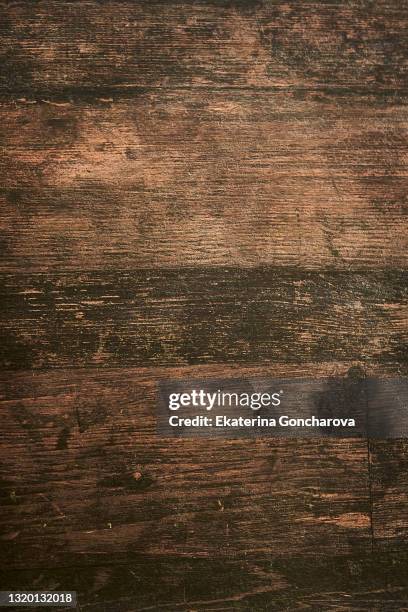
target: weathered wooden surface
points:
(57, 45)
(202, 315)
(86, 478)
(145, 146)
(161, 179)
(389, 460)
(374, 582)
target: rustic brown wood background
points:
(195, 188)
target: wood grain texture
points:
(218, 187)
(389, 488)
(193, 178)
(202, 316)
(86, 479)
(376, 583)
(53, 45)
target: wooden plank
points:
(54, 45)
(389, 465)
(204, 315)
(85, 478)
(251, 582)
(204, 178)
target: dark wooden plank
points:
(54, 45)
(201, 316)
(193, 178)
(86, 479)
(376, 583)
(389, 477)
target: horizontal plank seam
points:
(239, 365)
(236, 558)
(129, 90)
(202, 268)
(194, 364)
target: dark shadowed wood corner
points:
(199, 189)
